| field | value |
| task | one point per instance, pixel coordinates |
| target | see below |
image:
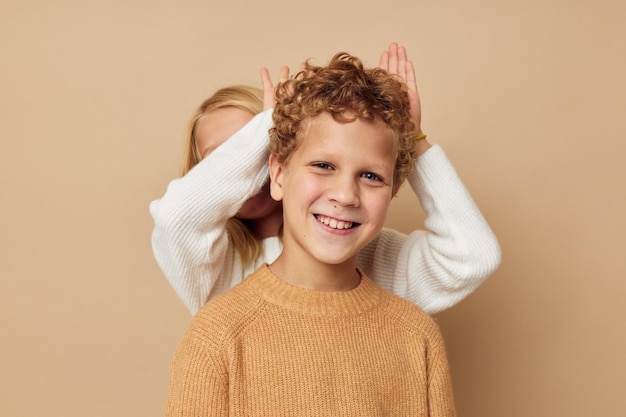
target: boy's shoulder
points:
(227, 315)
(409, 316)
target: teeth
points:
(334, 223)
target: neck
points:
(364, 297)
(315, 275)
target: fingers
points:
(284, 74)
(384, 61)
(395, 61)
(409, 77)
(402, 61)
(266, 80)
(393, 58)
(303, 68)
(268, 89)
(414, 99)
(269, 100)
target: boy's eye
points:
(371, 176)
(322, 165)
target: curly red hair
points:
(346, 90)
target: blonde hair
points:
(245, 98)
(240, 96)
(347, 91)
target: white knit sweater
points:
(433, 268)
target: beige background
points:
(525, 97)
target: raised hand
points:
(268, 87)
(395, 62)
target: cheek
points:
(377, 205)
(305, 188)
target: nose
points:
(344, 191)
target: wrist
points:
(421, 146)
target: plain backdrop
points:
(526, 98)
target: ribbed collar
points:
(364, 297)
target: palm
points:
(395, 62)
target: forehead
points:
(215, 126)
(366, 139)
(323, 128)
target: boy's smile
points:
(336, 188)
(335, 223)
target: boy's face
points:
(336, 189)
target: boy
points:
(310, 334)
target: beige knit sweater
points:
(266, 348)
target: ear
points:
(276, 178)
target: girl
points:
(217, 224)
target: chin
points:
(335, 258)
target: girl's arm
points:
(437, 267)
(189, 240)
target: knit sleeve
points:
(189, 239)
(199, 381)
(437, 267)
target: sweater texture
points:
(266, 348)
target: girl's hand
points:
(268, 87)
(395, 62)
